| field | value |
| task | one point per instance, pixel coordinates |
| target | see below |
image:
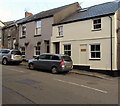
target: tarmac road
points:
(24, 86)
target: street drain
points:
(28, 82)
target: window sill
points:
(37, 35)
(22, 37)
(94, 59)
(59, 36)
(96, 29)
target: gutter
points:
(111, 42)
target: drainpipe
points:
(111, 41)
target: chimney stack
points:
(28, 14)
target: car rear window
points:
(16, 53)
(66, 58)
(55, 58)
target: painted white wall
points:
(81, 32)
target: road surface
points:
(23, 86)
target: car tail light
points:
(62, 63)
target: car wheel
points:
(31, 66)
(54, 70)
(4, 61)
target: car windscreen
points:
(5, 51)
(66, 58)
(16, 53)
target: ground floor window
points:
(95, 51)
(67, 50)
(14, 41)
(23, 51)
(37, 50)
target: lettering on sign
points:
(83, 50)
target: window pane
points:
(60, 30)
(99, 20)
(55, 58)
(48, 57)
(66, 58)
(69, 47)
(92, 47)
(24, 29)
(97, 54)
(38, 24)
(65, 52)
(38, 48)
(95, 21)
(92, 54)
(69, 53)
(98, 26)
(42, 57)
(97, 47)
(5, 51)
(65, 47)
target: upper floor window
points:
(23, 29)
(95, 52)
(96, 24)
(38, 28)
(60, 30)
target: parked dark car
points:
(10, 56)
(54, 62)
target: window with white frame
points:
(23, 30)
(95, 52)
(9, 43)
(38, 28)
(67, 49)
(23, 51)
(60, 30)
(37, 50)
(97, 24)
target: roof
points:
(43, 14)
(92, 12)
(8, 23)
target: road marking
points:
(81, 85)
(17, 70)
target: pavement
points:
(86, 73)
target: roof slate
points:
(94, 11)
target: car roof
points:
(4, 49)
(53, 54)
(8, 49)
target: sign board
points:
(83, 50)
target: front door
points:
(57, 47)
(83, 54)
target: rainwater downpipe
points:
(111, 43)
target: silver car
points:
(54, 62)
(10, 56)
